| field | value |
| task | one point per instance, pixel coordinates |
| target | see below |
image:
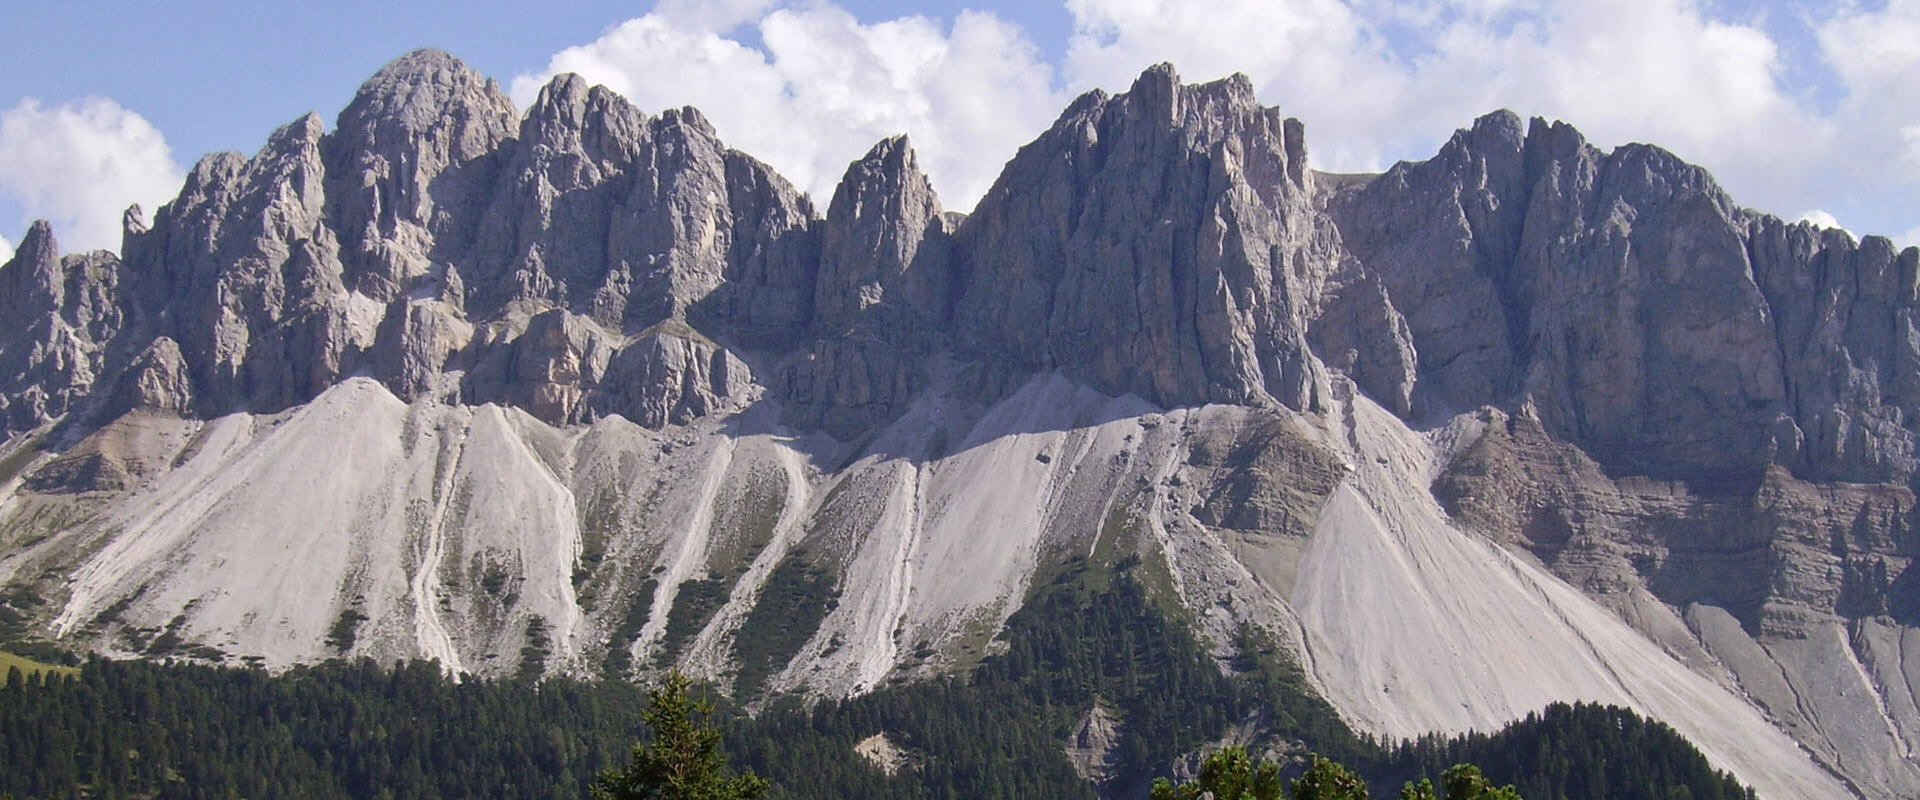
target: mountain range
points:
(585, 391)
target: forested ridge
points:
(357, 729)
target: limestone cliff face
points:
(62, 315)
(1161, 242)
(1647, 317)
(243, 271)
(411, 165)
(632, 220)
(886, 275)
(425, 235)
(1627, 310)
(884, 241)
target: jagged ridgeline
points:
(581, 392)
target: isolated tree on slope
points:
(1463, 782)
(1327, 780)
(1229, 774)
(684, 761)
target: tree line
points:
(1090, 633)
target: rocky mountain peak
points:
(893, 154)
(1159, 242)
(1158, 92)
(561, 104)
(33, 274)
(1496, 131)
(428, 90)
(1157, 89)
(565, 90)
(882, 210)
(1641, 312)
(62, 312)
(409, 167)
(299, 134)
(569, 115)
(40, 239)
(690, 118)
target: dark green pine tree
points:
(1229, 774)
(1328, 780)
(1464, 782)
(684, 760)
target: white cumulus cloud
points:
(808, 87)
(6, 249)
(821, 87)
(1822, 219)
(1637, 70)
(1876, 54)
(80, 164)
(716, 16)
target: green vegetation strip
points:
(1090, 632)
(29, 667)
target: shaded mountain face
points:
(1524, 422)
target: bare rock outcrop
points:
(432, 230)
(156, 381)
(671, 375)
(410, 167)
(566, 368)
(1269, 477)
(418, 343)
(1650, 320)
(1161, 242)
(62, 314)
(633, 220)
(886, 271)
(243, 271)
(884, 241)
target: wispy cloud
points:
(1822, 219)
(80, 164)
(820, 87)
(1636, 70)
(808, 87)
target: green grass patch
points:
(29, 667)
(744, 525)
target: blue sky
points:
(1799, 108)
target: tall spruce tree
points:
(684, 760)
